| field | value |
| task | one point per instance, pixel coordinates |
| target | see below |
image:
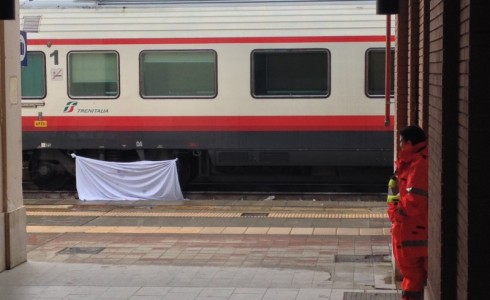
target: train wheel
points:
(48, 175)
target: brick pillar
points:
(424, 42)
(413, 62)
(401, 69)
(443, 147)
(453, 107)
(463, 169)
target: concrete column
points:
(12, 211)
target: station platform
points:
(205, 249)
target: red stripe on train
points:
(207, 123)
(210, 40)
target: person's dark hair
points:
(413, 134)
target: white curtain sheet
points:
(141, 180)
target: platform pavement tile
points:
(314, 294)
(301, 231)
(183, 293)
(137, 298)
(347, 231)
(131, 259)
(281, 293)
(212, 230)
(250, 291)
(281, 282)
(125, 229)
(40, 256)
(309, 253)
(279, 230)
(152, 291)
(184, 230)
(14, 290)
(70, 229)
(216, 293)
(151, 256)
(387, 231)
(100, 229)
(148, 229)
(363, 277)
(59, 258)
(202, 256)
(371, 231)
(382, 281)
(257, 230)
(169, 255)
(185, 257)
(117, 292)
(208, 250)
(243, 280)
(141, 249)
(89, 290)
(54, 292)
(179, 296)
(244, 251)
(324, 231)
(225, 250)
(384, 249)
(168, 230)
(234, 230)
(56, 229)
(339, 293)
(32, 228)
(245, 297)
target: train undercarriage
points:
(52, 169)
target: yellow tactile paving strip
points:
(290, 215)
(327, 213)
(210, 230)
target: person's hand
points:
(393, 198)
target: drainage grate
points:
(253, 215)
(81, 250)
(371, 296)
(362, 258)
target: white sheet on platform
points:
(141, 180)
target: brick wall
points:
(443, 67)
(433, 51)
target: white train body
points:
(233, 122)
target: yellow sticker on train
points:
(40, 123)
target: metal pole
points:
(388, 71)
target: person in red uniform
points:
(408, 211)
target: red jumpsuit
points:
(410, 219)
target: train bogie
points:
(216, 83)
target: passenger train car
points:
(217, 83)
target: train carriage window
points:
(178, 74)
(33, 76)
(375, 72)
(93, 74)
(291, 73)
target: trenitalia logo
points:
(70, 106)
